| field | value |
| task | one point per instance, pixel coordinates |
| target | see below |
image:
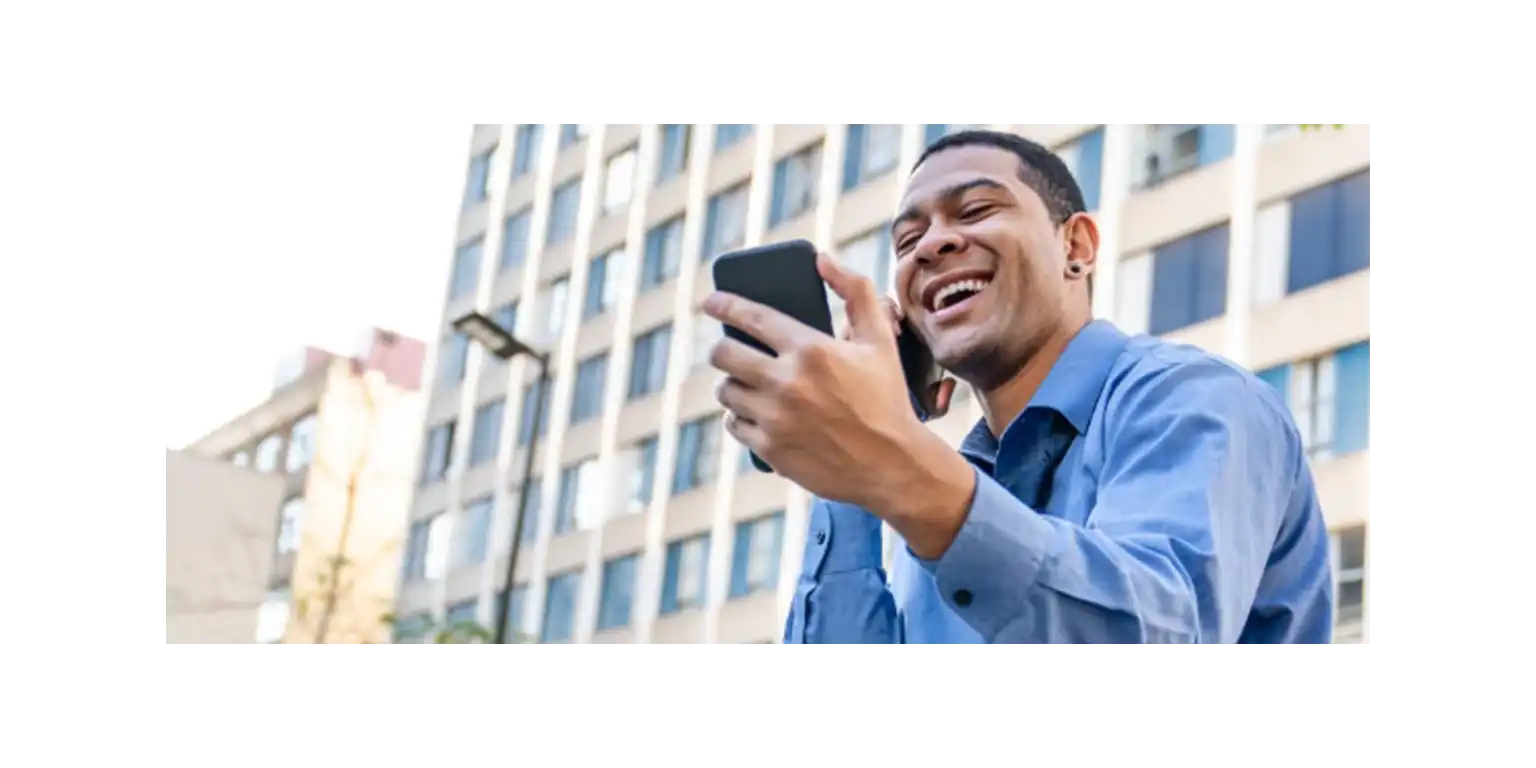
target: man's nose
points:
(938, 243)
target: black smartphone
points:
(920, 369)
(782, 276)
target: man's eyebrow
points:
(948, 194)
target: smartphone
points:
(783, 276)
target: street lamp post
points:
(501, 343)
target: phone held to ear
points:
(783, 276)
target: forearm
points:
(841, 595)
(1016, 576)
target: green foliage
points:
(425, 627)
(1320, 126)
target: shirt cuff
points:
(841, 538)
(993, 564)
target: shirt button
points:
(821, 537)
(962, 597)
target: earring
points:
(1075, 268)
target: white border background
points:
(96, 169)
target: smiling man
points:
(1117, 490)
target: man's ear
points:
(1080, 234)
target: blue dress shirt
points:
(1149, 493)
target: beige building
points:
(338, 437)
(593, 242)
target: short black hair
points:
(1040, 169)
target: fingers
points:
(745, 432)
(742, 402)
(943, 395)
(866, 318)
(766, 324)
(889, 308)
(741, 362)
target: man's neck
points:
(1002, 404)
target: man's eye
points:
(906, 243)
(976, 211)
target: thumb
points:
(865, 317)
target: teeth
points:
(974, 286)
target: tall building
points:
(592, 242)
(319, 562)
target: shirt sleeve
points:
(841, 595)
(1198, 473)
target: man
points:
(1117, 490)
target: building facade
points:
(339, 436)
(646, 523)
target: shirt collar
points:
(1071, 388)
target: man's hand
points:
(832, 415)
(936, 400)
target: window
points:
(648, 368)
(466, 268)
(412, 629)
(618, 592)
(514, 238)
(272, 617)
(525, 155)
(603, 279)
(560, 607)
(1189, 280)
(516, 603)
(414, 565)
(1330, 232)
(727, 135)
(795, 179)
(619, 183)
(872, 151)
(477, 182)
(289, 521)
(1165, 151)
(698, 454)
(486, 437)
(591, 375)
(554, 303)
(706, 331)
(438, 455)
(869, 255)
(1348, 553)
(674, 152)
(462, 612)
(1330, 399)
(532, 510)
(533, 397)
(474, 532)
(301, 444)
(451, 358)
(725, 222)
(1133, 293)
(642, 483)
(934, 132)
(266, 453)
(437, 549)
(663, 253)
(581, 494)
(572, 134)
(687, 572)
(563, 206)
(755, 559)
(1084, 157)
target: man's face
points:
(980, 265)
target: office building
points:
(646, 523)
(317, 559)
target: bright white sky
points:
(328, 228)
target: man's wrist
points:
(929, 495)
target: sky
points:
(312, 233)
